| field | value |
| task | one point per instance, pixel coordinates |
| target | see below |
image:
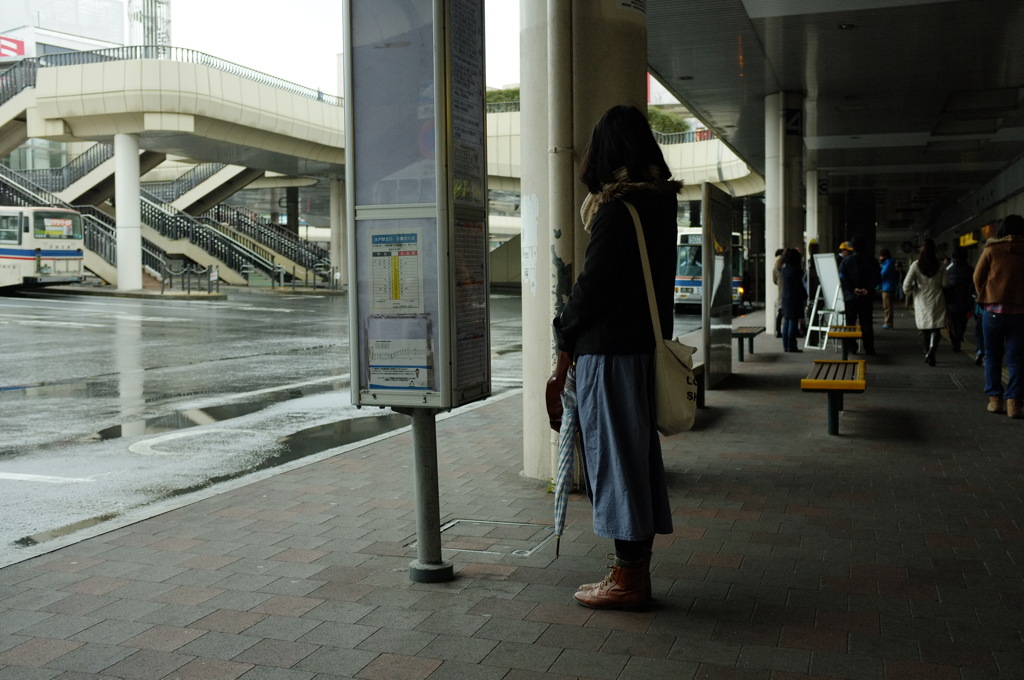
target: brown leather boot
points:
(1013, 408)
(611, 556)
(624, 588)
(995, 404)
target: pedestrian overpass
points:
(228, 127)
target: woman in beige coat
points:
(925, 280)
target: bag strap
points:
(655, 319)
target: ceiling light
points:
(847, 27)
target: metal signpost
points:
(416, 183)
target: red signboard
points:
(11, 47)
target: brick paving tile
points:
(91, 657)
(457, 648)
(228, 621)
(573, 637)
(391, 666)
(36, 652)
(212, 669)
(286, 606)
(590, 664)
(163, 638)
(281, 653)
(147, 664)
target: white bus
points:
(40, 247)
(690, 269)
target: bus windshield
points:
(56, 224)
(690, 260)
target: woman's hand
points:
(553, 390)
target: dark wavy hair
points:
(622, 139)
(928, 262)
(793, 258)
(1013, 225)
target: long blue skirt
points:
(624, 470)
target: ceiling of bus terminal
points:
(916, 101)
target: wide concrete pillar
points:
(127, 199)
(338, 250)
(578, 58)
(783, 197)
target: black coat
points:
(794, 294)
(607, 311)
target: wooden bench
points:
(835, 378)
(748, 332)
(844, 333)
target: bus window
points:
(57, 224)
(9, 231)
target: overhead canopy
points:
(915, 102)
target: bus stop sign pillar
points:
(428, 566)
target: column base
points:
(430, 573)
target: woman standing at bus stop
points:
(605, 327)
(794, 298)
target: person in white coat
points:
(925, 280)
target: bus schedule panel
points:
(40, 246)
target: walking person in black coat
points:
(794, 297)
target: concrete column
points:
(539, 290)
(339, 235)
(784, 220)
(127, 198)
(605, 44)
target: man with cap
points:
(859, 275)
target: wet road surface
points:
(111, 406)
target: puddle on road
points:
(191, 418)
(292, 447)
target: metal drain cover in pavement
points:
(493, 538)
(906, 381)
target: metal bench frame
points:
(835, 378)
(748, 332)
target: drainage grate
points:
(913, 381)
(493, 538)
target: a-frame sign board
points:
(828, 307)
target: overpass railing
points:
(662, 137)
(186, 56)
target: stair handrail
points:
(176, 188)
(274, 236)
(17, 78)
(58, 179)
(175, 224)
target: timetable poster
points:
(396, 272)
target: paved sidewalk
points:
(890, 552)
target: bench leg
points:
(750, 344)
(739, 347)
(846, 352)
(835, 405)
